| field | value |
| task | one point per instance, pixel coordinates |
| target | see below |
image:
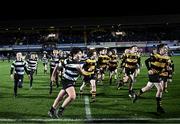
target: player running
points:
(17, 72)
(32, 67)
(54, 61)
(102, 64)
(113, 64)
(45, 62)
(131, 63)
(72, 69)
(156, 64)
(90, 66)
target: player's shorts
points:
(111, 69)
(129, 71)
(19, 80)
(102, 70)
(154, 78)
(31, 71)
(87, 79)
(67, 83)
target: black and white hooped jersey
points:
(32, 64)
(54, 61)
(70, 71)
(18, 67)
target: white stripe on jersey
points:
(19, 68)
(32, 64)
(19, 63)
(70, 72)
(70, 78)
(19, 73)
(75, 66)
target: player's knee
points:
(160, 89)
(72, 97)
(125, 78)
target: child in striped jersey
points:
(32, 66)
(54, 61)
(71, 71)
(45, 62)
(17, 72)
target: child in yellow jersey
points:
(113, 64)
(90, 66)
(156, 64)
(102, 64)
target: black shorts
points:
(129, 71)
(67, 83)
(102, 70)
(18, 80)
(111, 69)
(154, 78)
(31, 71)
(88, 78)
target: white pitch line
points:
(86, 120)
(87, 108)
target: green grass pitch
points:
(111, 103)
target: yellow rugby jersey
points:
(113, 62)
(159, 63)
(131, 60)
(103, 61)
(90, 66)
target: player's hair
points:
(113, 51)
(90, 52)
(32, 53)
(18, 53)
(160, 46)
(74, 51)
(133, 46)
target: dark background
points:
(27, 10)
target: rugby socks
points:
(61, 110)
(158, 100)
(110, 82)
(93, 94)
(52, 109)
(160, 110)
(130, 91)
(140, 92)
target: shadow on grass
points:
(20, 96)
(19, 115)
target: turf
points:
(111, 103)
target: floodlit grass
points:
(111, 103)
